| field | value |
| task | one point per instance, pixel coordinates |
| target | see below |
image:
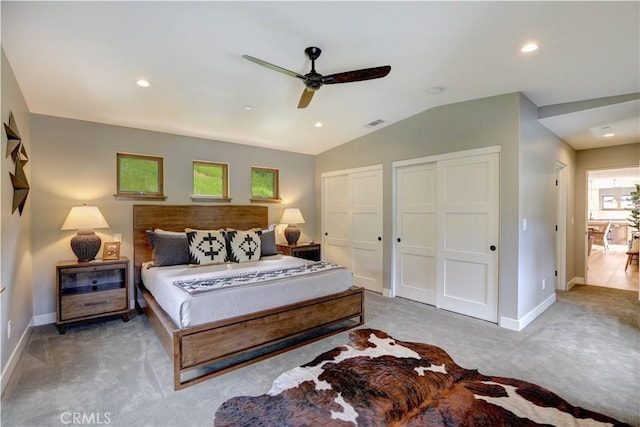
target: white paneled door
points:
(366, 208)
(468, 202)
(352, 223)
(336, 203)
(416, 243)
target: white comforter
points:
(190, 310)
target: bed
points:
(202, 347)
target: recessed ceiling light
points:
(318, 124)
(609, 135)
(143, 83)
(248, 107)
(529, 47)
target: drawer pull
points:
(89, 304)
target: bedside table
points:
(89, 290)
(309, 251)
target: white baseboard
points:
(511, 324)
(575, 281)
(44, 319)
(15, 356)
(520, 324)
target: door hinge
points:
(556, 182)
(556, 273)
(556, 228)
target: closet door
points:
(352, 223)
(336, 217)
(366, 225)
(468, 203)
(415, 232)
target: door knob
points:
(492, 247)
(399, 240)
(379, 238)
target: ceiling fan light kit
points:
(314, 80)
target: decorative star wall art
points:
(18, 153)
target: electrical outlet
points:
(9, 329)
(117, 237)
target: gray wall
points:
(501, 120)
(537, 204)
(599, 158)
(15, 235)
(75, 161)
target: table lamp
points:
(292, 217)
(84, 218)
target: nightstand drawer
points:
(93, 303)
(310, 251)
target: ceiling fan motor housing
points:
(313, 81)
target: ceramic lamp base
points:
(292, 234)
(85, 245)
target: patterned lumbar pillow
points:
(243, 246)
(206, 247)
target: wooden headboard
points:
(177, 218)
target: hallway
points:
(606, 268)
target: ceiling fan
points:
(314, 80)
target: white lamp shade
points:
(84, 217)
(292, 216)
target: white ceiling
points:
(81, 60)
(619, 177)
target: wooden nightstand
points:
(88, 290)
(309, 251)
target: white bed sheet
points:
(190, 310)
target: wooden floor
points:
(606, 268)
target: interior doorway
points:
(608, 230)
(561, 226)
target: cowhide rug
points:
(380, 381)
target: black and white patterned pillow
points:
(206, 247)
(243, 246)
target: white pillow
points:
(206, 247)
(243, 246)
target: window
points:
(210, 181)
(264, 185)
(140, 176)
(617, 198)
(609, 202)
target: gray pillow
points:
(268, 246)
(168, 249)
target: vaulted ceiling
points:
(81, 60)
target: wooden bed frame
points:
(218, 347)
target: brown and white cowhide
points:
(381, 381)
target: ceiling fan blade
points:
(274, 67)
(357, 75)
(305, 98)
